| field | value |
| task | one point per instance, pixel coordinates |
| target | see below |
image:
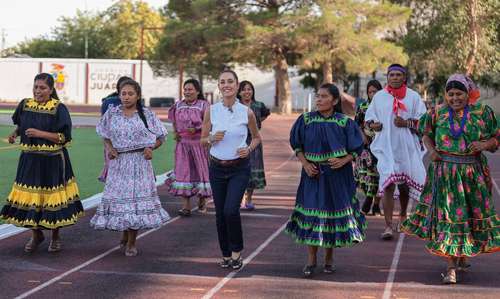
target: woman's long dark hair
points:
(49, 80)
(335, 93)
(197, 86)
(138, 91)
(373, 83)
(242, 85)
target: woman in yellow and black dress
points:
(45, 193)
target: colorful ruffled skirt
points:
(190, 175)
(257, 174)
(366, 173)
(130, 199)
(327, 211)
(45, 194)
(455, 212)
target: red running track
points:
(179, 260)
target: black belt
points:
(139, 150)
(227, 163)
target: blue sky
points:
(25, 19)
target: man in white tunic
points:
(394, 114)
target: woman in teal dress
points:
(455, 212)
(246, 95)
(326, 211)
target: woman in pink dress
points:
(190, 175)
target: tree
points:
(123, 22)
(271, 37)
(114, 33)
(346, 37)
(201, 36)
(445, 37)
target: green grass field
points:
(86, 154)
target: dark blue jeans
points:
(228, 186)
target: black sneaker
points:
(225, 263)
(308, 271)
(237, 264)
(329, 268)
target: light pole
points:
(86, 38)
(142, 48)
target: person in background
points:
(190, 175)
(456, 212)
(130, 199)
(45, 194)
(225, 129)
(366, 163)
(111, 100)
(326, 211)
(393, 114)
(246, 95)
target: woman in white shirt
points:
(225, 129)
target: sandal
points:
(131, 251)
(55, 246)
(32, 244)
(225, 263)
(249, 207)
(329, 268)
(308, 270)
(202, 206)
(450, 277)
(184, 212)
(237, 263)
(387, 234)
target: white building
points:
(87, 81)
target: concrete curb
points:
(9, 230)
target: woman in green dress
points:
(455, 212)
(246, 95)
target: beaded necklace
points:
(456, 134)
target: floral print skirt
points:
(257, 175)
(455, 212)
(130, 199)
(366, 173)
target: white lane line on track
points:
(397, 253)
(259, 249)
(395, 261)
(247, 261)
(297, 281)
(9, 230)
(392, 272)
(91, 261)
(101, 256)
